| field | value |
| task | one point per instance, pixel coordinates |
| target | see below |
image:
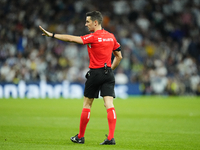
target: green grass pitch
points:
(143, 123)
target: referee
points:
(100, 44)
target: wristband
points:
(53, 35)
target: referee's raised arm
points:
(63, 37)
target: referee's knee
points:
(88, 102)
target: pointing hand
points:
(46, 33)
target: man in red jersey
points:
(100, 44)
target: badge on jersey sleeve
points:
(89, 45)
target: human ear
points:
(95, 22)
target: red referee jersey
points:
(100, 45)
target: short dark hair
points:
(95, 15)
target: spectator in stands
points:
(170, 27)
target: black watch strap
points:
(53, 35)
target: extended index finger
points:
(41, 29)
(44, 31)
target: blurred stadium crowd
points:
(160, 42)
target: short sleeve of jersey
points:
(116, 44)
(89, 38)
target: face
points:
(90, 24)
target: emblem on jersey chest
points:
(100, 39)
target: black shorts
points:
(97, 81)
